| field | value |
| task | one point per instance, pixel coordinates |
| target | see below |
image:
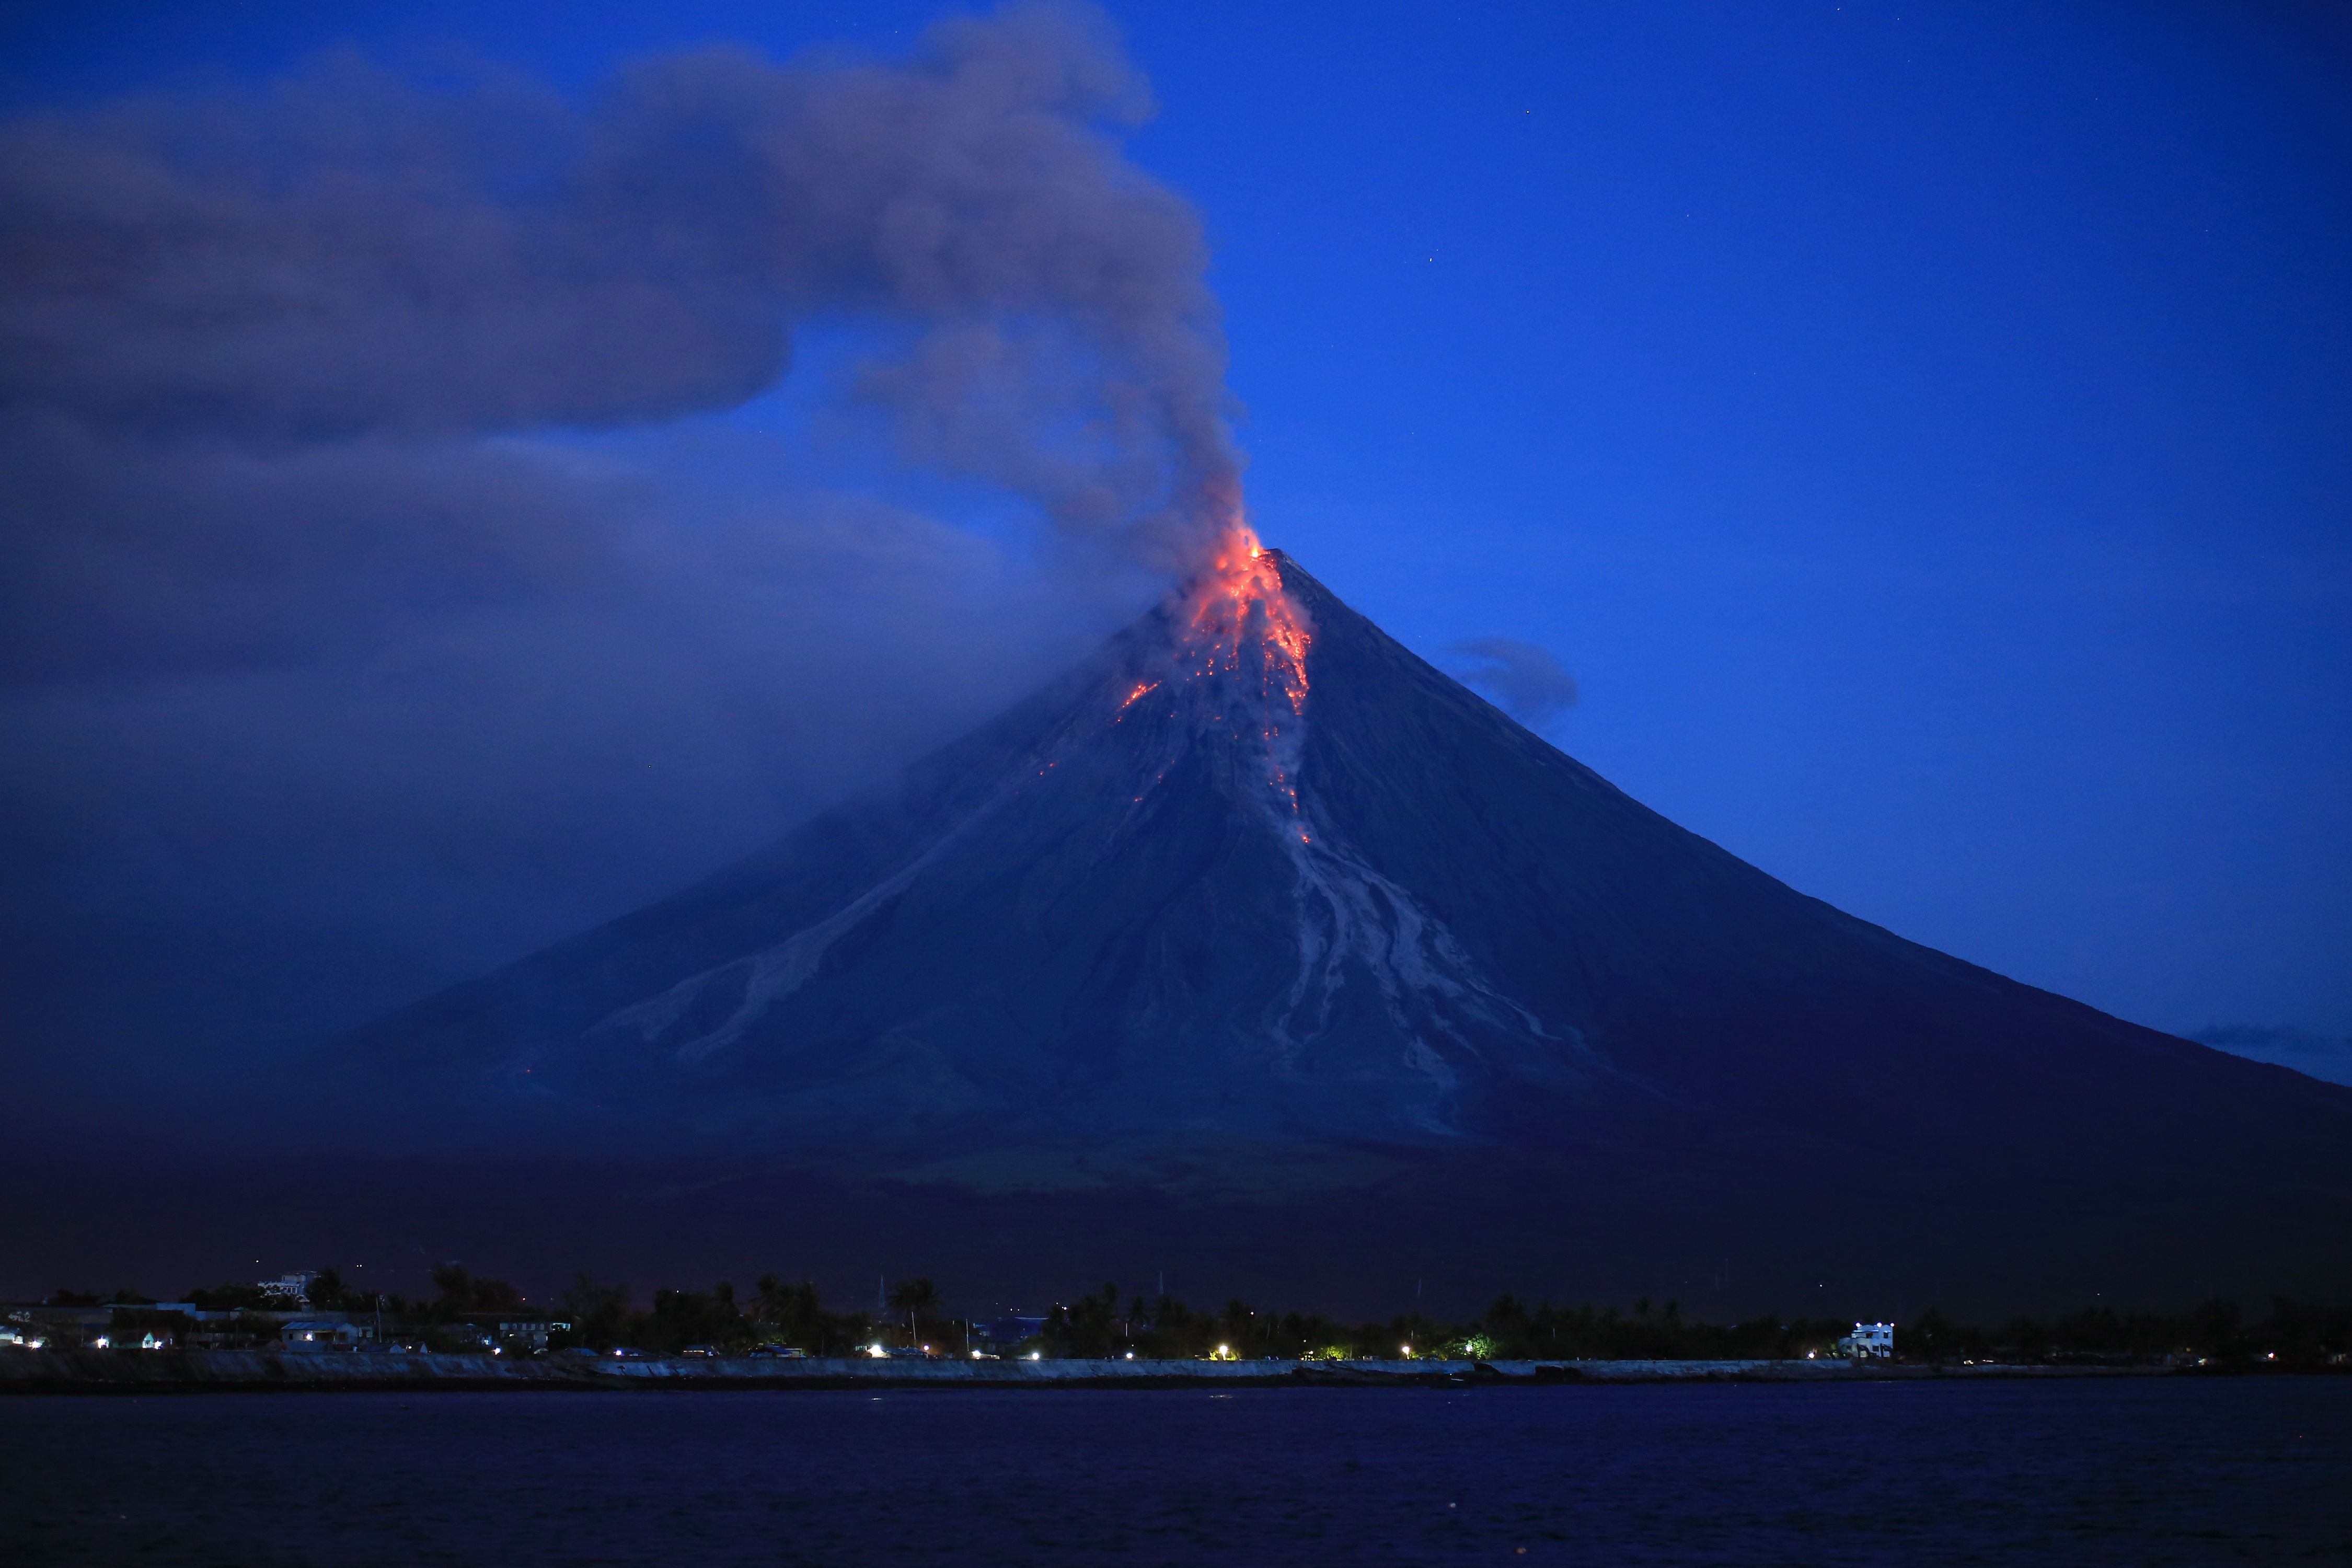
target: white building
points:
(1868, 1340)
(294, 1287)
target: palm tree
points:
(915, 1298)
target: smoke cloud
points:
(420, 538)
(1525, 678)
(272, 305)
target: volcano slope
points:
(1225, 940)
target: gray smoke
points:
(251, 347)
(374, 604)
(1525, 678)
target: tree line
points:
(604, 1317)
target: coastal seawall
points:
(133, 1372)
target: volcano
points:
(1257, 916)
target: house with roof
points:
(1868, 1341)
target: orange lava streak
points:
(1242, 597)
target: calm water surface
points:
(2240, 1470)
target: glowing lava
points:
(1243, 635)
(1239, 605)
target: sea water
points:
(2137, 1472)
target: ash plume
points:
(350, 426)
(353, 267)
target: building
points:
(1004, 1335)
(62, 1328)
(327, 1334)
(1868, 1340)
(290, 1287)
(529, 1333)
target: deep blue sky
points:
(1924, 430)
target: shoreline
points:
(253, 1372)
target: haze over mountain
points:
(1258, 910)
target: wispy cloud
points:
(1526, 678)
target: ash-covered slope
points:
(1193, 896)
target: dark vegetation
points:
(468, 1312)
(774, 1313)
(92, 1299)
(2293, 1334)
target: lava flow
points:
(1239, 603)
